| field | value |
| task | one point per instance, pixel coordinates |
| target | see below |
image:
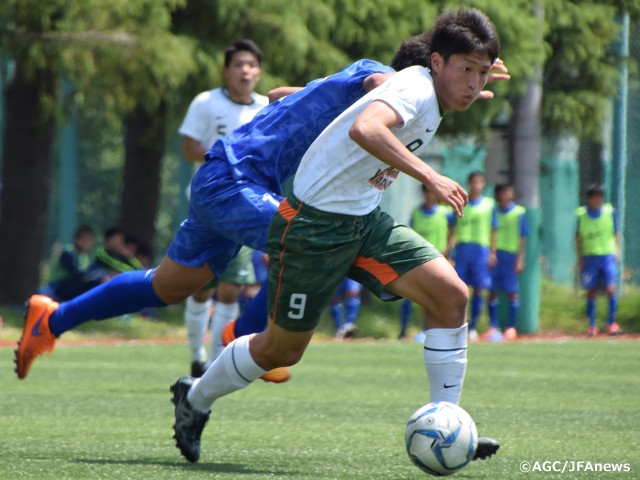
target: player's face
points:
(505, 197)
(459, 81)
(595, 202)
(476, 185)
(242, 74)
(429, 198)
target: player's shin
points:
(445, 358)
(233, 370)
(196, 319)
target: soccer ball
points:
(441, 438)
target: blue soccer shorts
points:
(503, 274)
(224, 214)
(598, 271)
(472, 265)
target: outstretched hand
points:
(497, 72)
(449, 192)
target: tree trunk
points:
(144, 147)
(28, 139)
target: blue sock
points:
(613, 309)
(492, 310)
(127, 292)
(405, 313)
(336, 314)
(514, 305)
(254, 317)
(352, 307)
(476, 308)
(591, 311)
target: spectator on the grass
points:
(511, 235)
(474, 240)
(69, 274)
(598, 251)
(433, 222)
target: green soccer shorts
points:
(239, 271)
(312, 251)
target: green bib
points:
(475, 224)
(434, 228)
(597, 234)
(508, 231)
(59, 273)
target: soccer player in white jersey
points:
(332, 227)
(211, 115)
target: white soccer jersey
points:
(213, 114)
(337, 175)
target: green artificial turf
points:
(104, 412)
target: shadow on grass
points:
(199, 466)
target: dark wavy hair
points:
(454, 32)
(242, 45)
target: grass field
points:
(104, 412)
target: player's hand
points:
(449, 192)
(497, 72)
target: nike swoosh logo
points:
(35, 331)
(429, 130)
(450, 386)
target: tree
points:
(93, 43)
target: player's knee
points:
(455, 296)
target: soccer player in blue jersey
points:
(233, 197)
(511, 234)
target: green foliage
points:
(580, 75)
(117, 54)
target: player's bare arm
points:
(192, 150)
(280, 92)
(371, 131)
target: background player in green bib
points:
(432, 221)
(474, 239)
(511, 235)
(598, 252)
(69, 275)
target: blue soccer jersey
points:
(237, 190)
(268, 149)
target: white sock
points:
(196, 319)
(445, 356)
(224, 313)
(233, 370)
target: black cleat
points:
(189, 422)
(197, 369)
(486, 447)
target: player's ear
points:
(437, 62)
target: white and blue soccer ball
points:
(441, 438)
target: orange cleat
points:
(614, 329)
(592, 332)
(277, 375)
(228, 335)
(36, 337)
